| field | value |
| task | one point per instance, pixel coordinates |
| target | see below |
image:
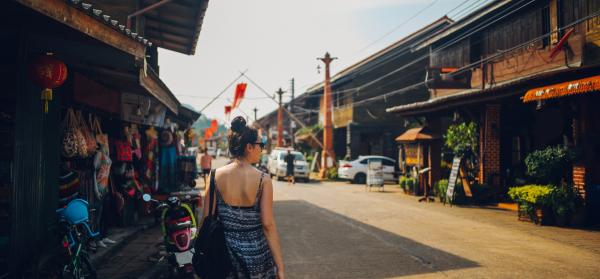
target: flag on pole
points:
(240, 91)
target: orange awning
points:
(563, 89)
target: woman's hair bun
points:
(238, 124)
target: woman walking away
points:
(244, 205)
(289, 172)
(205, 165)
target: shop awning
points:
(416, 134)
(150, 81)
(568, 88)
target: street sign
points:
(452, 180)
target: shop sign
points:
(563, 89)
(414, 156)
(142, 110)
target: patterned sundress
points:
(248, 248)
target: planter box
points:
(541, 215)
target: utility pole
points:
(292, 124)
(328, 127)
(280, 119)
(255, 110)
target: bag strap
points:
(259, 191)
(211, 193)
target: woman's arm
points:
(269, 227)
(207, 200)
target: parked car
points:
(356, 171)
(277, 165)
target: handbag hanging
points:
(90, 141)
(211, 257)
(69, 147)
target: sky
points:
(277, 40)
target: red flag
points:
(240, 91)
(207, 133)
(227, 110)
(214, 125)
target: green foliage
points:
(440, 188)
(462, 139)
(540, 195)
(309, 129)
(408, 183)
(565, 200)
(548, 165)
(332, 174)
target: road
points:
(339, 230)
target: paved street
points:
(339, 230)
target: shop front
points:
(579, 99)
(109, 131)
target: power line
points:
(226, 88)
(400, 25)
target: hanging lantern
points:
(49, 73)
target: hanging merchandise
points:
(49, 73)
(74, 143)
(124, 153)
(151, 151)
(90, 140)
(117, 198)
(68, 185)
(136, 143)
(168, 162)
(102, 165)
(101, 138)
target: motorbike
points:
(179, 229)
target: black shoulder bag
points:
(211, 257)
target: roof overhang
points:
(86, 23)
(416, 134)
(149, 80)
(175, 25)
(464, 22)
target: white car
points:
(278, 167)
(356, 171)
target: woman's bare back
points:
(238, 184)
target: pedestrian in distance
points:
(244, 205)
(289, 172)
(205, 165)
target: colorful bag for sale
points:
(70, 146)
(90, 141)
(124, 153)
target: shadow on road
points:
(319, 243)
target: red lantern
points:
(49, 73)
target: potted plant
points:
(440, 188)
(535, 202)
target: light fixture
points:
(539, 105)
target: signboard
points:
(452, 179)
(375, 172)
(413, 155)
(142, 110)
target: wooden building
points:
(106, 60)
(495, 67)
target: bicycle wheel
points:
(85, 269)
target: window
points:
(364, 162)
(516, 31)
(389, 163)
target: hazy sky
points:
(276, 40)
